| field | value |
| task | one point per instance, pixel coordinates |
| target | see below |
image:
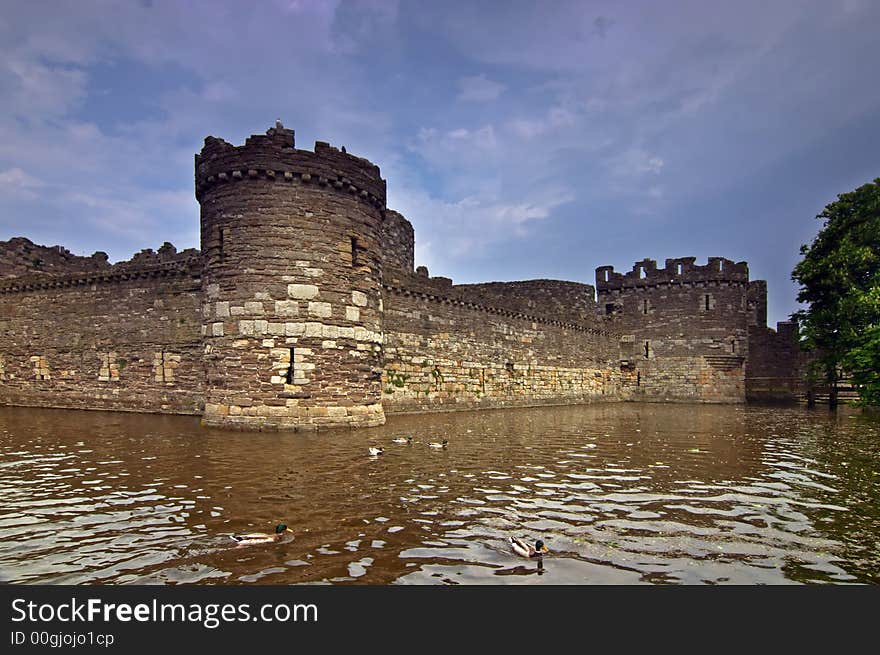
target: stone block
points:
(320, 309)
(286, 308)
(294, 329)
(302, 291)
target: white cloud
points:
(479, 88)
(35, 91)
(553, 119)
(635, 162)
(468, 226)
(15, 178)
(16, 182)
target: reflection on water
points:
(621, 493)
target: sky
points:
(522, 139)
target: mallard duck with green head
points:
(525, 549)
(255, 538)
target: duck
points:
(255, 538)
(434, 444)
(376, 451)
(406, 440)
(523, 549)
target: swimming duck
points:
(376, 451)
(523, 549)
(255, 538)
(406, 440)
(434, 444)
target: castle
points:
(303, 310)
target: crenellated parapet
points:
(188, 263)
(546, 302)
(677, 271)
(273, 156)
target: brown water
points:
(621, 493)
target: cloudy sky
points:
(522, 139)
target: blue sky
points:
(523, 140)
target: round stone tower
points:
(292, 313)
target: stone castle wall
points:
(119, 339)
(454, 347)
(398, 242)
(687, 326)
(302, 310)
(776, 366)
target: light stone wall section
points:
(446, 355)
(109, 371)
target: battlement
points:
(549, 302)
(191, 265)
(273, 156)
(677, 271)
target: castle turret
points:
(292, 314)
(688, 325)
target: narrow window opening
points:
(354, 251)
(733, 347)
(678, 269)
(642, 273)
(606, 275)
(645, 307)
(609, 309)
(639, 379)
(647, 349)
(288, 379)
(720, 264)
(706, 298)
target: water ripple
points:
(621, 493)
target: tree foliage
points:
(840, 282)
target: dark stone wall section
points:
(687, 326)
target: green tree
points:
(840, 282)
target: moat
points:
(623, 493)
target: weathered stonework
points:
(302, 310)
(687, 326)
(90, 340)
(290, 239)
